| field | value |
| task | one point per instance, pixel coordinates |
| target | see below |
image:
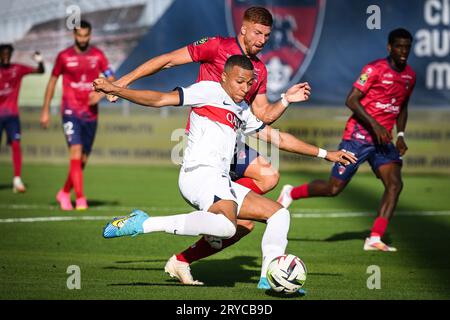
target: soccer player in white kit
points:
(219, 111)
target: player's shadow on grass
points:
(5, 186)
(140, 261)
(284, 295)
(214, 273)
(100, 203)
(356, 235)
(227, 272)
(131, 268)
(344, 236)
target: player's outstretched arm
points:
(288, 142)
(353, 103)
(149, 98)
(152, 66)
(269, 113)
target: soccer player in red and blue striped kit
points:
(79, 65)
(11, 75)
(379, 101)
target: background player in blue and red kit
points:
(11, 75)
(250, 169)
(79, 64)
(378, 100)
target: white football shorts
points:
(202, 186)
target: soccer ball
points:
(286, 274)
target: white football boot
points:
(181, 271)
(18, 186)
(285, 198)
(375, 244)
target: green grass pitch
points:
(35, 255)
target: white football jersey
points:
(214, 122)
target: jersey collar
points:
(388, 61)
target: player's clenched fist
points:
(118, 83)
(103, 85)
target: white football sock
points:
(274, 241)
(192, 224)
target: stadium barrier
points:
(148, 137)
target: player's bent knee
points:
(271, 181)
(227, 228)
(282, 212)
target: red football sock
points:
(300, 192)
(76, 175)
(16, 158)
(379, 227)
(250, 183)
(202, 249)
(68, 185)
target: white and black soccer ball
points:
(286, 273)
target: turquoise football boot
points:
(130, 225)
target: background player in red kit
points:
(11, 75)
(250, 169)
(379, 100)
(79, 64)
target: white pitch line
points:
(325, 214)
(99, 208)
(52, 219)
(329, 214)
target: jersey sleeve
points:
(194, 94)
(24, 70)
(368, 77)
(58, 67)
(204, 49)
(251, 124)
(105, 67)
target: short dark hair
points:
(83, 25)
(399, 33)
(258, 15)
(238, 60)
(7, 46)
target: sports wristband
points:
(322, 153)
(400, 134)
(284, 102)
